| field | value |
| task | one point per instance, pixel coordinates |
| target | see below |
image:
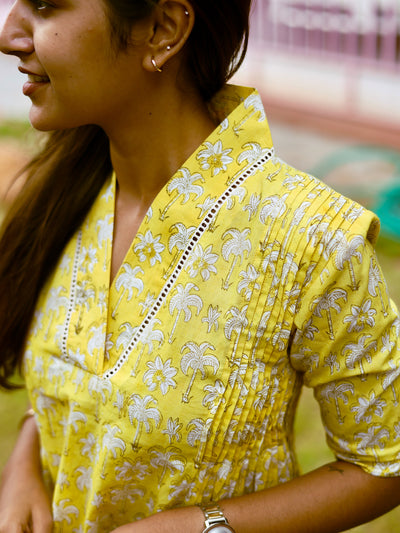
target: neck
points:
(165, 134)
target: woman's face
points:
(74, 75)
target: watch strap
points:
(214, 517)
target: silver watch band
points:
(215, 519)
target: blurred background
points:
(329, 75)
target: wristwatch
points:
(215, 520)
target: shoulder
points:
(314, 207)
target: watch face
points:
(219, 528)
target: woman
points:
(173, 285)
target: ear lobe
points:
(173, 23)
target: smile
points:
(34, 78)
(33, 83)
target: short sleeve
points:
(346, 344)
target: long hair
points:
(64, 179)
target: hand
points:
(24, 503)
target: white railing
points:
(366, 29)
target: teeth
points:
(37, 79)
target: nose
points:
(16, 34)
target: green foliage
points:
(12, 407)
(14, 129)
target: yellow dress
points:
(178, 382)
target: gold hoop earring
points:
(156, 67)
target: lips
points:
(34, 82)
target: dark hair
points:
(64, 179)
(216, 46)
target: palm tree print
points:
(366, 407)
(235, 324)
(236, 377)
(239, 193)
(89, 446)
(132, 470)
(261, 329)
(84, 480)
(147, 303)
(213, 314)
(326, 302)
(44, 405)
(198, 431)
(57, 370)
(390, 379)
(127, 494)
(62, 511)
(84, 293)
(197, 359)
(375, 278)
(182, 301)
(111, 443)
(336, 392)
(345, 251)
(184, 186)
(147, 338)
(252, 153)
(289, 266)
(179, 240)
(252, 206)
(168, 459)
(274, 208)
(359, 351)
(53, 304)
(319, 235)
(99, 386)
(125, 337)
(97, 340)
(105, 228)
(248, 283)
(372, 439)
(173, 430)
(298, 216)
(214, 396)
(141, 413)
(128, 281)
(237, 245)
(253, 101)
(184, 491)
(76, 416)
(331, 361)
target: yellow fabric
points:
(178, 383)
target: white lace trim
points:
(72, 298)
(211, 214)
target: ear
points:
(173, 21)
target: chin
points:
(42, 121)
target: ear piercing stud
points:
(168, 48)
